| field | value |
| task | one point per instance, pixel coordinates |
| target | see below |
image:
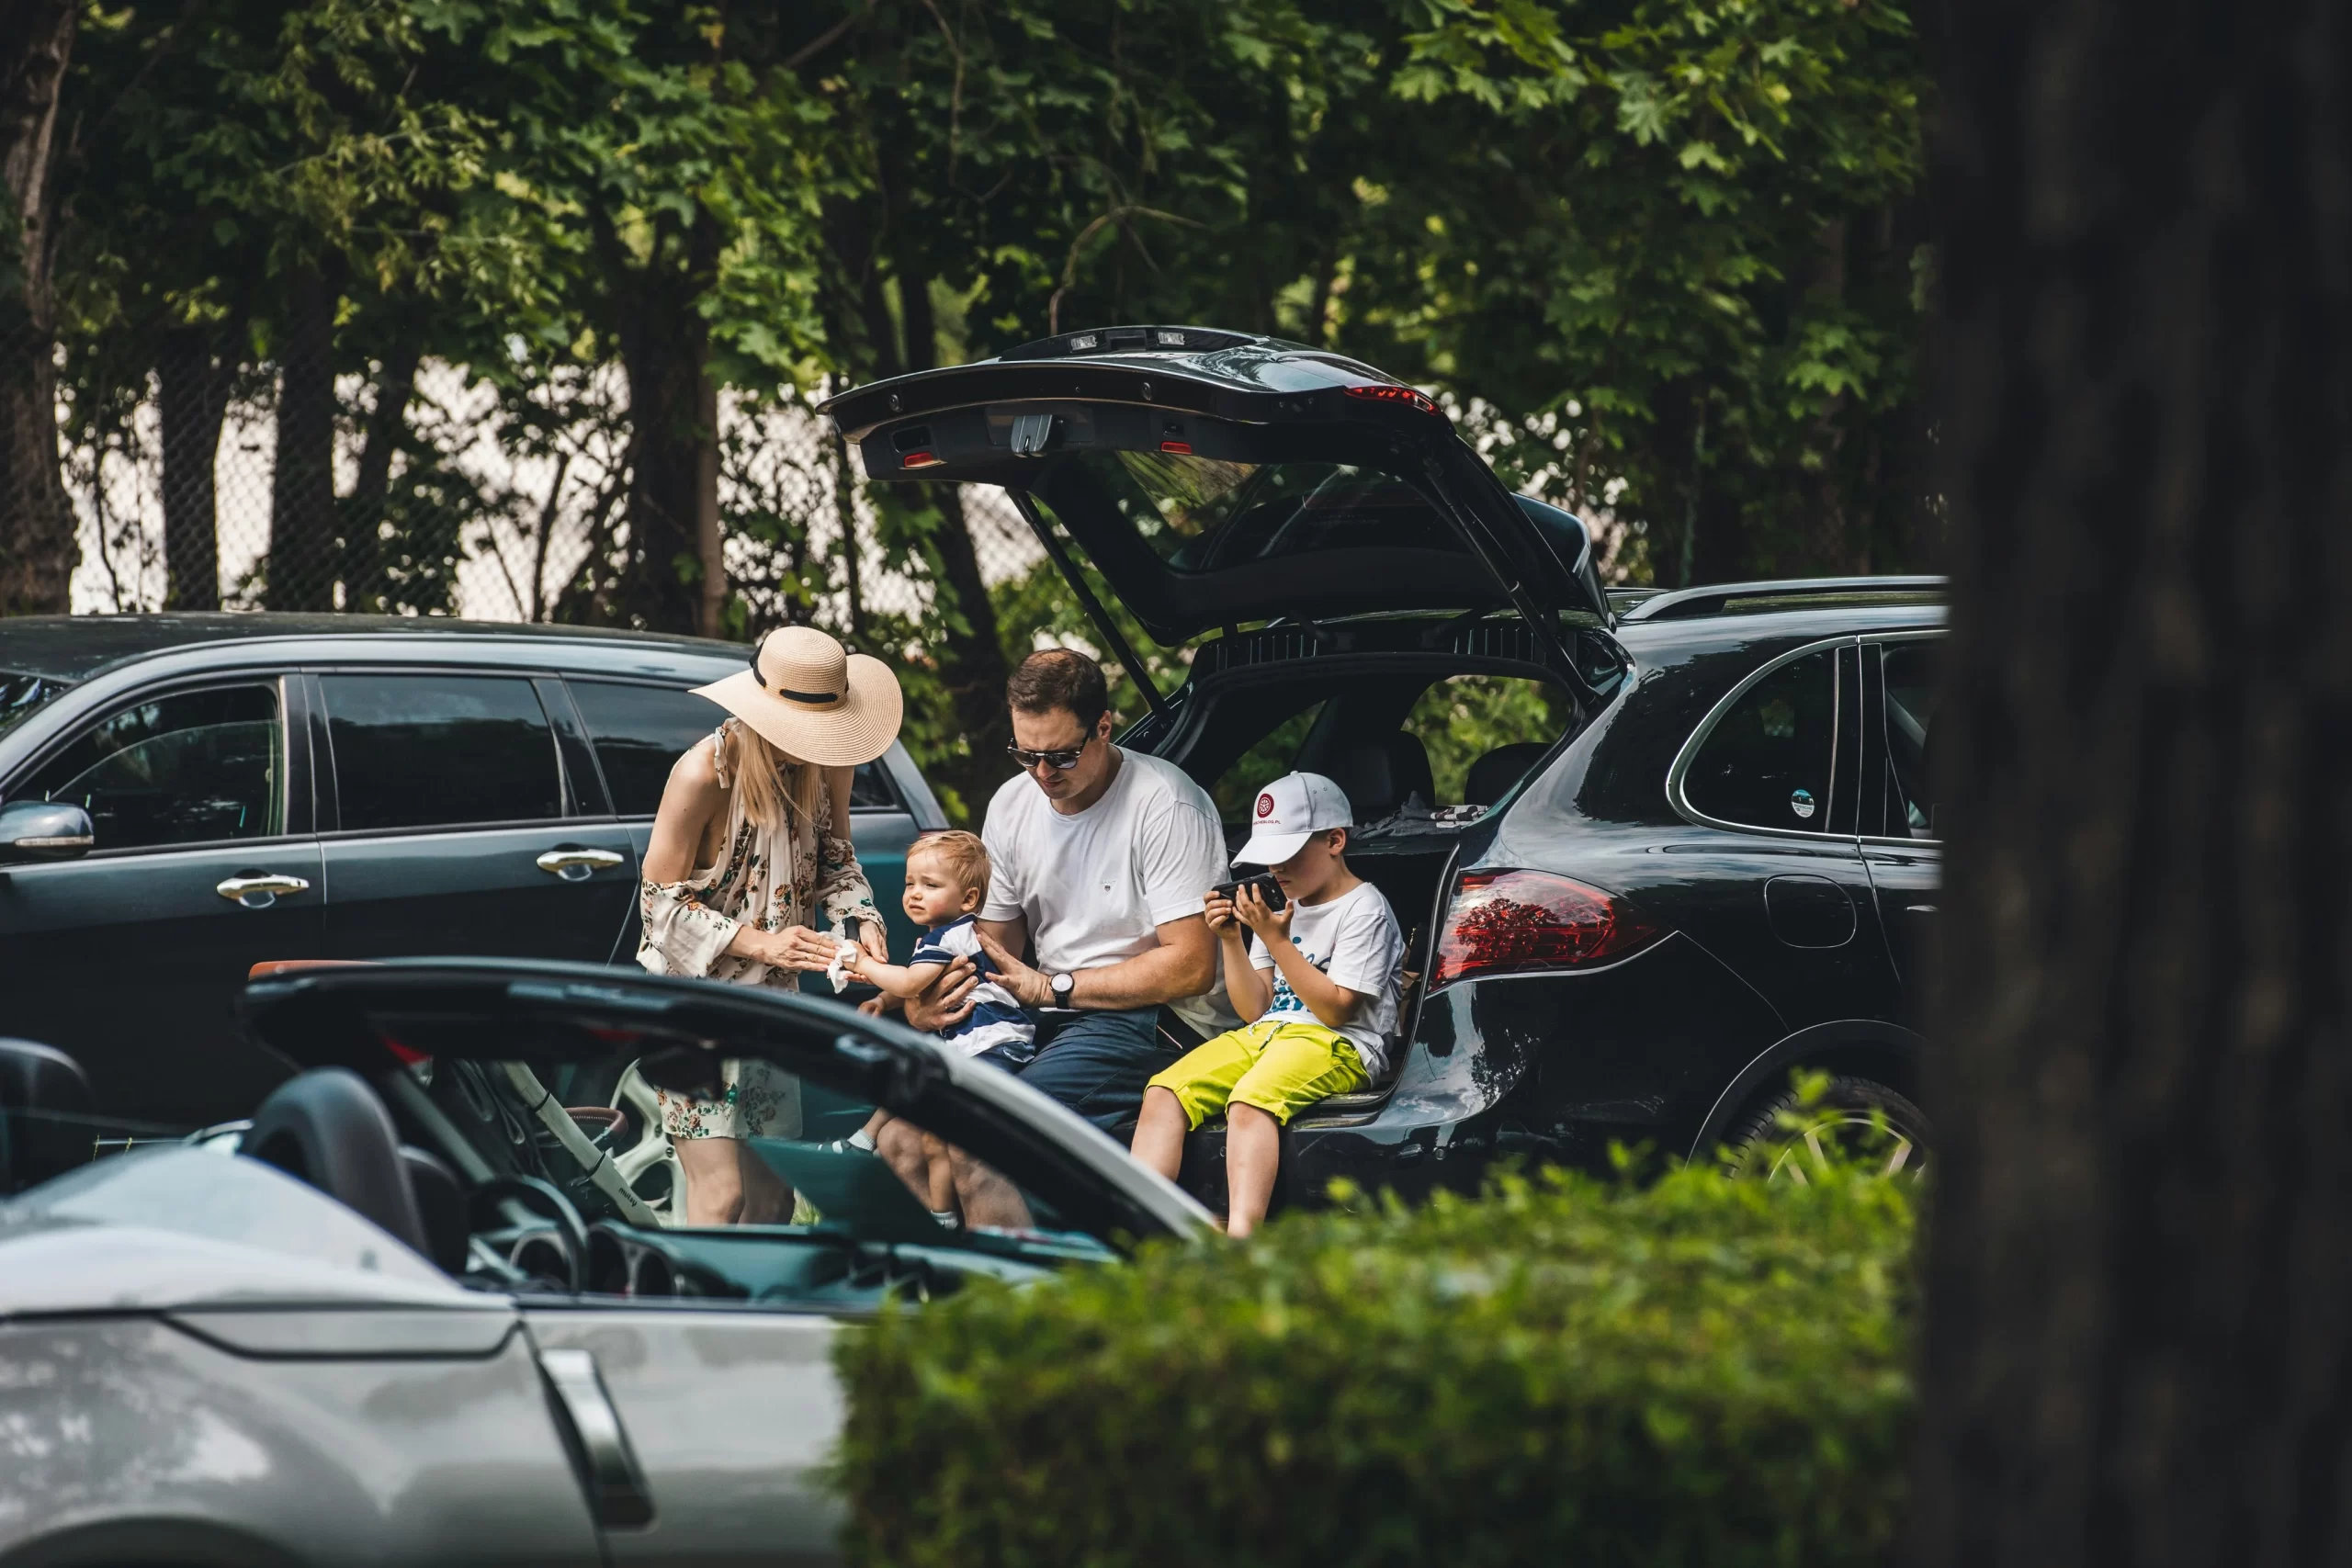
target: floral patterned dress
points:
(802, 875)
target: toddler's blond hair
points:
(967, 857)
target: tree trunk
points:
(672, 497)
(367, 507)
(37, 535)
(302, 556)
(192, 396)
(2140, 1274)
(973, 670)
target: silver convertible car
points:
(424, 1306)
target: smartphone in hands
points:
(1268, 889)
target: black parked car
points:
(1694, 848)
(183, 796)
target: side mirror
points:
(44, 829)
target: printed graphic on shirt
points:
(1286, 1000)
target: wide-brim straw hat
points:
(813, 700)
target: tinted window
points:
(431, 750)
(641, 731)
(1767, 763)
(20, 695)
(1910, 668)
(186, 769)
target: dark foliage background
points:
(515, 309)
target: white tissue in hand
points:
(837, 972)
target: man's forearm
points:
(1148, 979)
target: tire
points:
(1784, 1139)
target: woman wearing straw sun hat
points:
(744, 865)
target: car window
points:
(1273, 755)
(1910, 678)
(428, 751)
(1464, 719)
(641, 731)
(1767, 762)
(194, 767)
(22, 694)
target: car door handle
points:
(574, 863)
(617, 1494)
(259, 889)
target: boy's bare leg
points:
(989, 1199)
(1159, 1132)
(1253, 1148)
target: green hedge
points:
(1699, 1371)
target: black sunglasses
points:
(1060, 762)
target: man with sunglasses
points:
(1101, 858)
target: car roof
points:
(75, 647)
(1664, 640)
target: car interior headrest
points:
(1491, 776)
(1379, 776)
(326, 1127)
(45, 1101)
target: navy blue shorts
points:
(1098, 1063)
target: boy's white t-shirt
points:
(1096, 885)
(1354, 940)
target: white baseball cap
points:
(1291, 810)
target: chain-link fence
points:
(257, 486)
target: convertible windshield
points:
(22, 694)
(622, 1150)
(1201, 514)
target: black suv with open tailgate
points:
(1695, 847)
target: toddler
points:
(948, 880)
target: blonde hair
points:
(967, 857)
(774, 786)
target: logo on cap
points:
(1266, 803)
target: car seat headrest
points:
(1381, 775)
(45, 1107)
(1491, 776)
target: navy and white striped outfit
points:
(997, 1019)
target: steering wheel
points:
(484, 1211)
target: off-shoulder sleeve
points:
(842, 892)
(683, 935)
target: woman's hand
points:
(872, 940)
(1251, 908)
(794, 947)
(1030, 987)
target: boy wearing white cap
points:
(1318, 995)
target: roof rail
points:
(1716, 598)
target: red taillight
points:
(1182, 449)
(1404, 395)
(1505, 923)
(919, 460)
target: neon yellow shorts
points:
(1279, 1066)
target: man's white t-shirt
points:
(1354, 940)
(1096, 885)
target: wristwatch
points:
(1063, 985)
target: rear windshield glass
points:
(21, 694)
(1202, 514)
